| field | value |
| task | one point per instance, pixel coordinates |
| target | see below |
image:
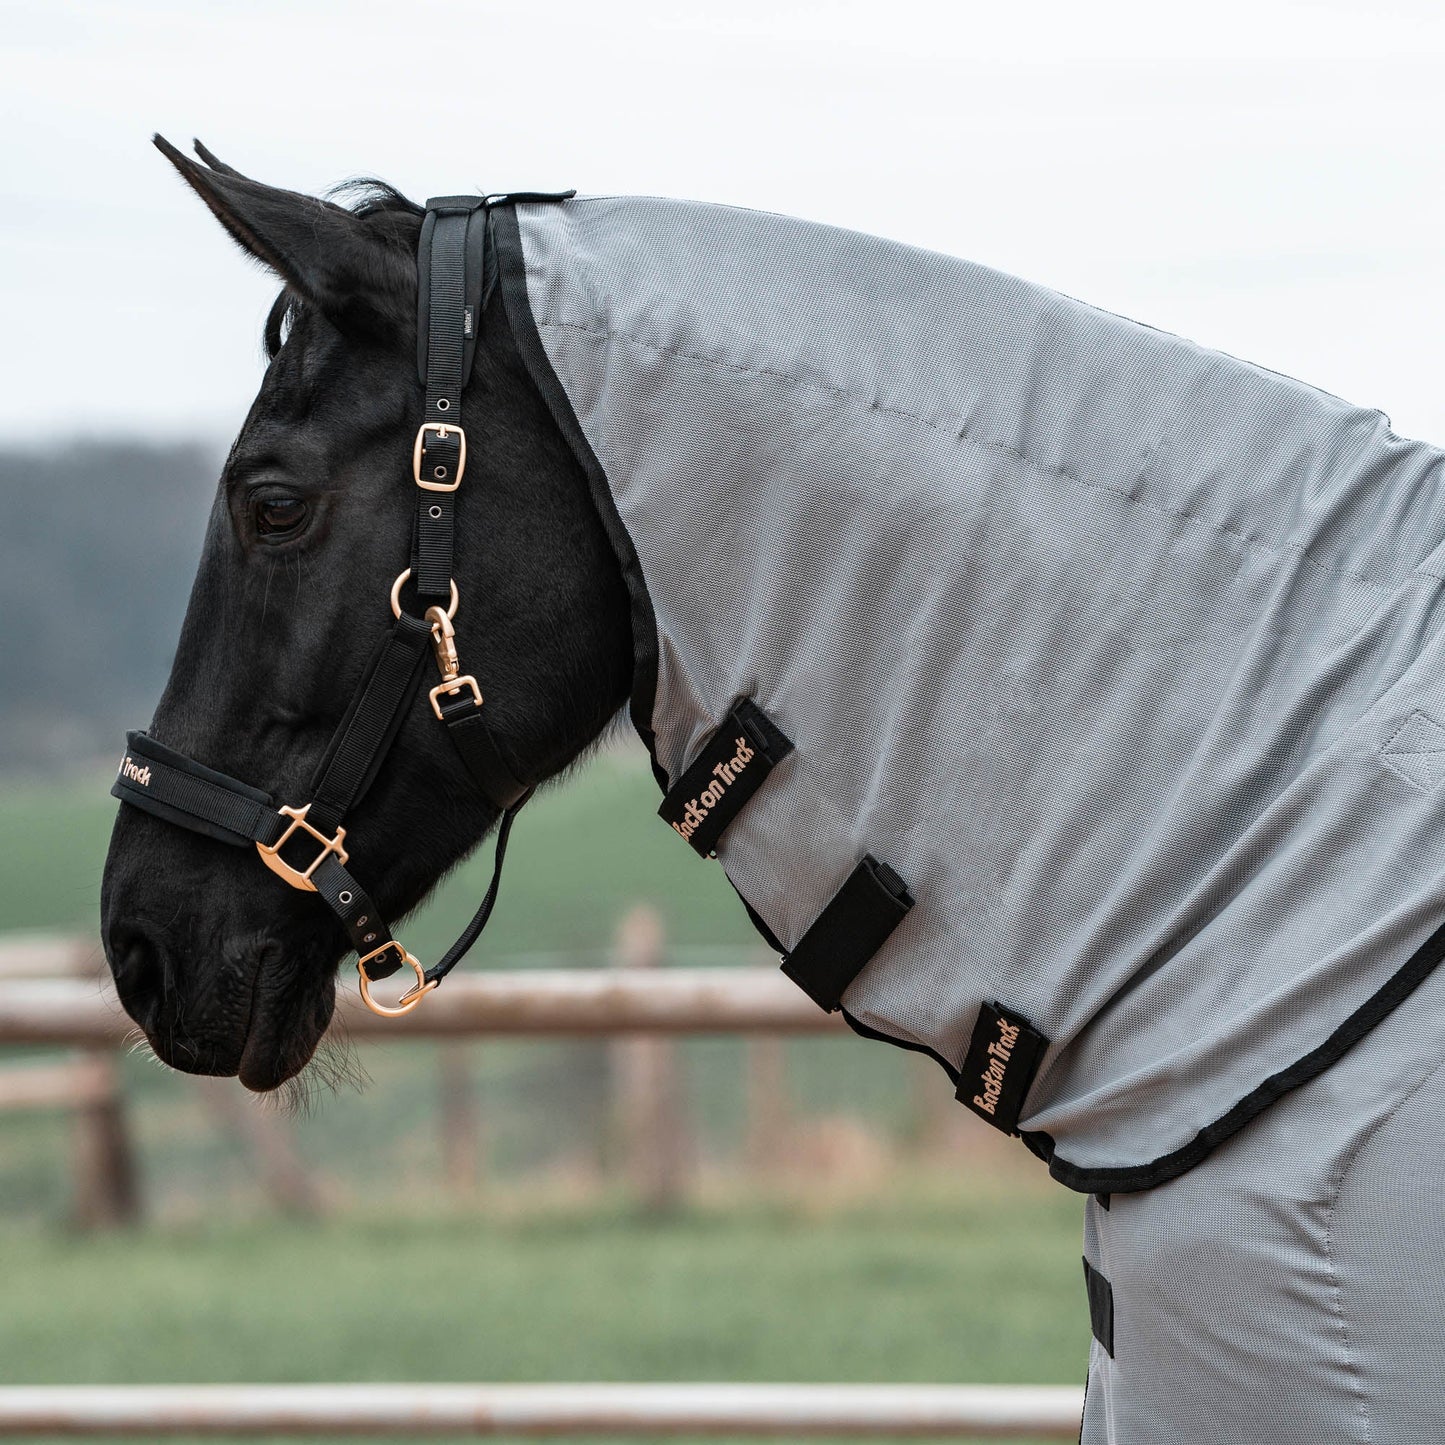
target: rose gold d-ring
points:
(396, 595)
(409, 1000)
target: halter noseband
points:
(305, 846)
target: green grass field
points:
(970, 1290)
(953, 1270)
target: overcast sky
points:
(1266, 177)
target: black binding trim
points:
(512, 263)
(848, 932)
(1128, 1179)
(867, 1031)
(729, 768)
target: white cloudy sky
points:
(1267, 177)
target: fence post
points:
(460, 1118)
(105, 1183)
(268, 1137)
(648, 1084)
(769, 1115)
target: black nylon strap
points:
(451, 262)
(473, 930)
(729, 768)
(360, 917)
(366, 732)
(848, 932)
(170, 785)
(477, 746)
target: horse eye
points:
(276, 516)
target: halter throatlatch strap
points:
(306, 846)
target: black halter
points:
(305, 845)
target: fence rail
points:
(578, 1002)
(480, 1411)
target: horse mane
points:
(393, 216)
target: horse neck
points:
(555, 642)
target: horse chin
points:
(263, 1026)
(289, 1018)
(268, 1061)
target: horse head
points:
(226, 970)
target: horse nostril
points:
(139, 972)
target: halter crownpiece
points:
(305, 846)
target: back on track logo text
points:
(1000, 1051)
(724, 774)
(137, 775)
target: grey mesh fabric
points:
(1291, 1289)
(1121, 652)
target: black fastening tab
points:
(1003, 1056)
(718, 783)
(1101, 1307)
(848, 932)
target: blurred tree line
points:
(99, 541)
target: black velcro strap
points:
(1003, 1056)
(848, 932)
(158, 780)
(717, 784)
(1101, 1307)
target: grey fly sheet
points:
(1120, 653)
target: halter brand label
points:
(1003, 1056)
(128, 769)
(724, 775)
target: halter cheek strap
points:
(305, 845)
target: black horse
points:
(226, 972)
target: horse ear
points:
(323, 252)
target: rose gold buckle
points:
(409, 999)
(452, 686)
(418, 451)
(296, 877)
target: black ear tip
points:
(212, 159)
(176, 158)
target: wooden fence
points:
(84, 1082)
(51, 994)
(54, 993)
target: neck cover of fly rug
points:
(1124, 656)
